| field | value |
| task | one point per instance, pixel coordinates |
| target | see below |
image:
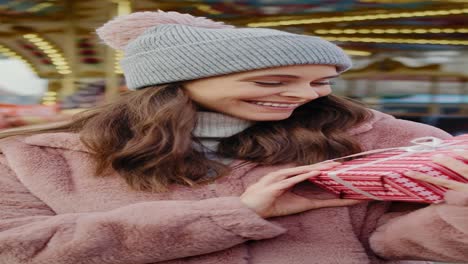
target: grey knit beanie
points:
(164, 47)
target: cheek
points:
(258, 93)
(201, 95)
(214, 100)
(324, 91)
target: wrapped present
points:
(378, 174)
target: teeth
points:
(275, 104)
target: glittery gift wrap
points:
(379, 175)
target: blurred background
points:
(410, 56)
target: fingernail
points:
(332, 163)
(329, 161)
(328, 164)
(410, 174)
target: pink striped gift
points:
(378, 174)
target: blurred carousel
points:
(408, 54)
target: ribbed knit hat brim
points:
(173, 53)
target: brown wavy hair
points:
(146, 136)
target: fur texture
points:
(54, 210)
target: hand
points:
(456, 165)
(271, 195)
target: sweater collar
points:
(216, 125)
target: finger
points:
(335, 202)
(462, 153)
(450, 184)
(328, 162)
(290, 182)
(456, 165)
(286, 173)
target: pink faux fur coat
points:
(53, 210)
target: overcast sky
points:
(17, 77)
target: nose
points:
(303, 92)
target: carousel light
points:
(378, 31)
(61, 65)
(64, 72)
(359, 17)
(118, 57)
(45, 47)
(30, 36)
(59, 62)
(358, 52)
(208, 9)
(335, 31)
(124, 7)
(321, 31)
(55, 55)
(400, 40)
(420, 31)
(405, 15)
(350, 31)
(391, 31)
(50, 51)
(42, 43)
(35, 40)
(448, 30)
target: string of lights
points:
(55, 56)
(426, 13)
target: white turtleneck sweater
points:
(212, 126)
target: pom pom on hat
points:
(118, 32)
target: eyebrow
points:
(286, 76)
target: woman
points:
(205, 161)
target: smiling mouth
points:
(274, 105)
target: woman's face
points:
(262, 95)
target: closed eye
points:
(269, 83)
(281, 83)
(321, 83)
